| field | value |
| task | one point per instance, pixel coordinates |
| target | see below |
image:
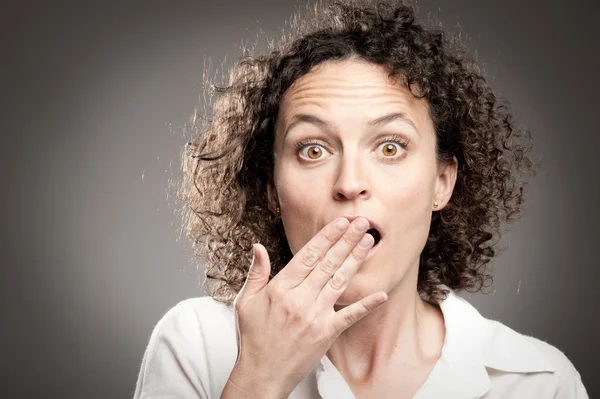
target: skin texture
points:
(298, 304)
(229, 164)
(356, 170)
(356, 175)
(242, 167)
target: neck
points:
(405, 332)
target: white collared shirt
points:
(193, 349)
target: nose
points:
(352, 181)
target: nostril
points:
(375, 235)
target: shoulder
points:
(197, 313)
(566, 377)
(198, 321)
(533, 359)
(191, 352)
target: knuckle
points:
(309, 257)
(357, 255)
(349, 240)
(290, 309)
(253, 274)
(328, 265)
(350, 318)
(296, 314)
(302, 317)
(338, 281)
(332, 235)
(369, 306)
(276, 292)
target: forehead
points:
(354, 89)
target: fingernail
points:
(365, 241)
(381, 298)
(341, 224)
(361, 224)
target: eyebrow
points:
(377, 122)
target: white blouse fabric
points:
(193, 349)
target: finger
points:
(307, 258)
(349, 315)
(335, 257)
(258, 275)
(337, 284)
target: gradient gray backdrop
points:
(93, 96)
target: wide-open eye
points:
(392, 147)
(313, 151)
(389, 149)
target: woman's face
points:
(339, 151)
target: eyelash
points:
(402, 142)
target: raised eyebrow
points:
(310, 119)
(385, 119)
(377, 122)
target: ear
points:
(272, 195)
(445, 182)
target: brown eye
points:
(389, 149)
(314, 152)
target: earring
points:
(280, 220)
(435, 204)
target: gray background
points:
(93, 99)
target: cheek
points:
(409, 195)
(409, 214)
(303, 204)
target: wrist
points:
(248, 382)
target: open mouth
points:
(375, 235)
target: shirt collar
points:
(472, 344)
(474, 339)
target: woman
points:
(370, 159)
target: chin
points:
(359, 288)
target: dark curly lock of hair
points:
(229, 160)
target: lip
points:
(372, 223)
(372, 251)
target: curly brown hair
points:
(229, 161)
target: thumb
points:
(258, 274)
